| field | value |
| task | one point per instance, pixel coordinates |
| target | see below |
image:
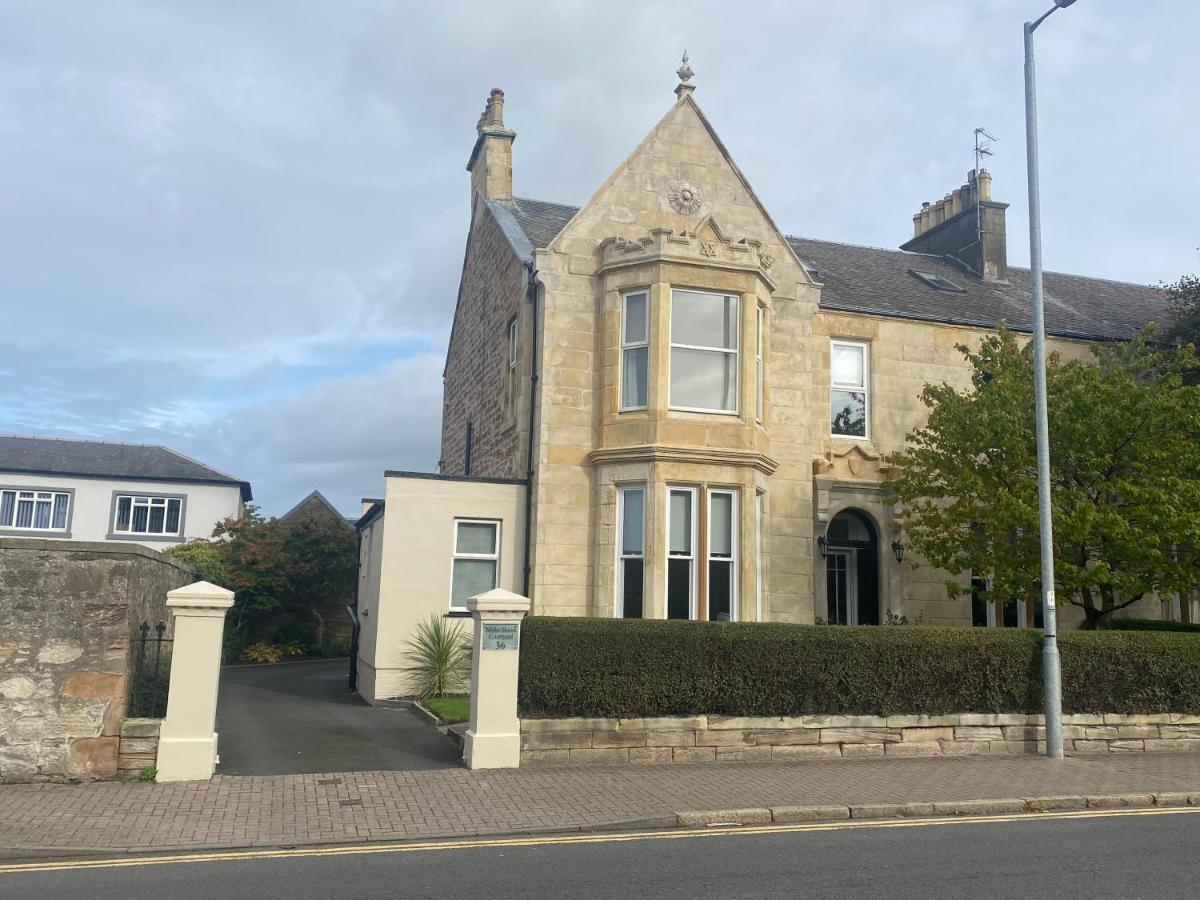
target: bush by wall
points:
(617, 668)
(1153, 625)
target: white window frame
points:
(619, 581)
(732, 559)
(692, 556)
(760, 370)
(36, 495)
(513, 355)
(622, 406)
(456, 555)
(152, 500)
(736, 351)
(864, 388)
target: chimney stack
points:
(490, 164)
(966, 226)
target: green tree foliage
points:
(251, 549)
(1125, 472)
(203, 557)
(321, 564)
(1184, 298)
(272, 567)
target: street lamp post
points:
(1051, 666)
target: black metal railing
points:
(151, 673)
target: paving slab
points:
(281, 810)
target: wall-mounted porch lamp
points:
(898, 549)
(821, 545)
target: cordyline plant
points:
(439, 658)
(1125, 475)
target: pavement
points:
(354, 807)
(1129, 853)
(300, 718)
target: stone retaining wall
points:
(68, 613)
(138, 749)
(714, 738)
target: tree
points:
(1125, 473)
(251, 550)
(204, 558)
(319, 573)
(1184, 309)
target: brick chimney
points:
(491, 160)
(966, 226)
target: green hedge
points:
(1153, 625)
(635, 668)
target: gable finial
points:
(685, 73)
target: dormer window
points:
(704, 352)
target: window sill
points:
(132, 538)
(34, 533)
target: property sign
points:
(500, 635)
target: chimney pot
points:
(974, 229)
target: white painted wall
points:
(92, 506)
(409, 565)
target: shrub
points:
(439, 658)
(262, 652)
(642, 668)
(1153, 625)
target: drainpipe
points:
(532, 293)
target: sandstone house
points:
(699, 403)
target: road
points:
(1123, 854)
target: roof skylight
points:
(937, 282)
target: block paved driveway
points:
(299, 718)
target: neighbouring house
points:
(101, 491)
(315, 505)
(660, 405)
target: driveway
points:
(299, 718)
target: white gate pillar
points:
(493, 740)
(187, 748)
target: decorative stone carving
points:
(766, 260)
(706, 245)
(685, 197)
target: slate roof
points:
(311, 505)
(877, 281)
(103, 459)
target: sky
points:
(237, 228)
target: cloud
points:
(238, 228)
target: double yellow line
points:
(559, 840)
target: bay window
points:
(476, 565)
(704, 352)
(635, 349)
(759, 364)
(722, 556)
(849, 380)
(34, 509)
(681, 553)
(631, 565)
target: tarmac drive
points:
(300, 718)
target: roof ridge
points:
(72, 440)
(194, 461)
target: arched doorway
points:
(851, 551)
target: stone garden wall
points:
(716, 738)
(68, 613)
